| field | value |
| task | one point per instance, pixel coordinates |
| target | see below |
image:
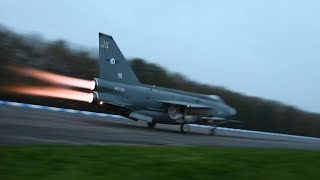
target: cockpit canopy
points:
(215, 98)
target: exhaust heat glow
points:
(55, 78)
(52, 92)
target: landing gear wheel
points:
(184, 128)
(151, 124)
(213, 131)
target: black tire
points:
(151, 124)
(184, 128)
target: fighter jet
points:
(119, 89)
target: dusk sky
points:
(267, 48)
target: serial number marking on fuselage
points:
(119, 89)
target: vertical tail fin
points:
(112, 64)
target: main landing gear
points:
(184, 128)
(151, 124)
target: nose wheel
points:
(213, 130)
(151, 124)
(184, 128)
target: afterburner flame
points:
(55, 78)
(52, 92)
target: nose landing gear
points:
(213, 130)
(151, 124)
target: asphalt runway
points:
(20, 125)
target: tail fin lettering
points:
(113, 66)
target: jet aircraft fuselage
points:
(119, 88)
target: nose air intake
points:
(233, 111)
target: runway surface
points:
(21, 125)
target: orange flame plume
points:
(52, 92)
(55, 78)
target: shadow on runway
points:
(139, 126)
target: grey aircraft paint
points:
(119, 87)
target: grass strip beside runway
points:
(155, 162)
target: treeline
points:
(57, 56)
